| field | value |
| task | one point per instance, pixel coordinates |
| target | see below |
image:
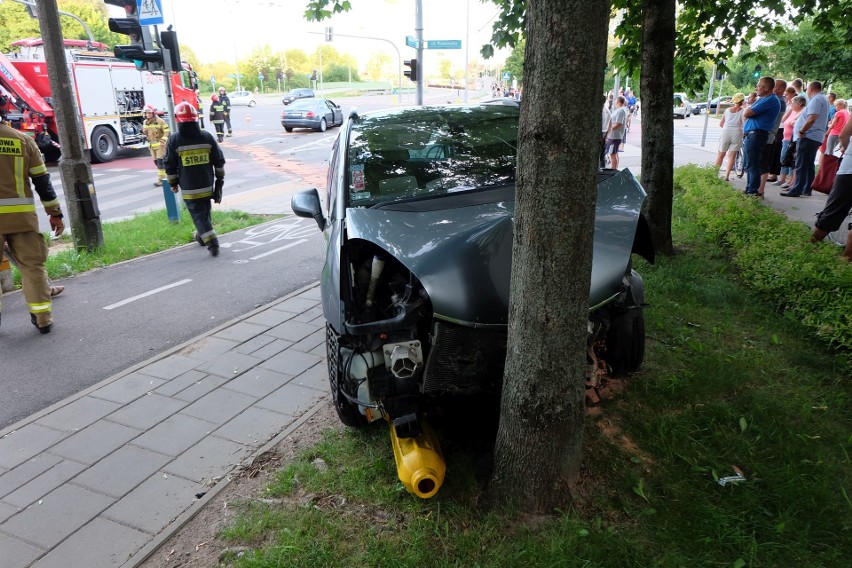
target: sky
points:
(221, 30)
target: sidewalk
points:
(102, 478)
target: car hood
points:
(461, 248)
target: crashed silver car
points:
(418, 217)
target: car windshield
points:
(423, 153)
(302, 105)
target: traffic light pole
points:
(74, 169)
(172, 209)
(418, 31)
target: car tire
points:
(346, 410)
(288, 128)
(323, 125)
(104, 145)
(251, 104)
(625, 342)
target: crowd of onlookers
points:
(615, 124)
(784, 130)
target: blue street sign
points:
(411, 41)
(443, 44)
(507, 76)
(150, 12)
(260, 76)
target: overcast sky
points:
(216, 30)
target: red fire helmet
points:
(185, 112)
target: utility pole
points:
(74, 169)
(418, 32)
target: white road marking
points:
(309, 146)
(148, 293)
(279, 249)
(112, 180)
(264, 141)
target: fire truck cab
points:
(108, 96)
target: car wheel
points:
(104, 145)
(346, 410)
(252, 103)
(323, 125)
(288, 128)
(625, 342)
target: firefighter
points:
(157, 131)
(20, 164)
(195, 163)
(217, 116)
(223, 98)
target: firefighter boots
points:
(213, 247)
(41, 329)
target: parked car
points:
(242, 98)
(317, 114)
(418, 219)
(296, 94)
(720, 103)
(682, 106)
(699, 107)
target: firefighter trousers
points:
(30, 253)
(228, 123)
(220, 129)
(199, 210)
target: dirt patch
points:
(196, 543)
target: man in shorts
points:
(617, 126)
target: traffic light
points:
(172, 56)
(314, 75)
(756, 73)
(141, 50)
(329, 35)
(411, 73)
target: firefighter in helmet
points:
(21, 170)
(157, 131)
(217, 116)
(195, 164)
(223, 98)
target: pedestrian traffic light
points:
(314, 75)
(756, 73)
(141, 50)
(171, 58)
(411, 73)
(329, 33)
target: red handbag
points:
(828, 165)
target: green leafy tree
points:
(515, 62)
(16, 23)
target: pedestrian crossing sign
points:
(150, 12)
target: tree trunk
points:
(657, 81)
(538, 447)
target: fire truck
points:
(108, 96)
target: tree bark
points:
(538, 446)
(657, 82)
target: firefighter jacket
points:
(157, 132)
(194, 163)
(217, 113)
(226, 102)
(20, 162)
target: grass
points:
(728, 382)
(143, 234)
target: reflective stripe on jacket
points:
(194, 164)
(21, 161)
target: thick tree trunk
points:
(538, 447)
(658, 46)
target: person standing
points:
(760, 119)
(157, 131)
(605, 118)
(21, 170)
(788, 147)
(195, 164)
(770, 158)
(836, 124)
(811, 135)
(839, 202)
(617, 125)
(731, 139)
(226, 102)
(217, 116)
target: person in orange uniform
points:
(22, 169)
(157, 131)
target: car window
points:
(415, 154)
(677, 101)
(302, 105)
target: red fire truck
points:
(108, 96)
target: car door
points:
(336, 118)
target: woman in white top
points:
(732, 134)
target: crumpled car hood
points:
(463, 255)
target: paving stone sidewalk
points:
(100, 479)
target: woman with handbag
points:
(788, 146)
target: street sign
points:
(443, 44)
(150, 12)
(507, 76)
(260, 76)
(411, 41)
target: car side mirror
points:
(307, 204)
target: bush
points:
(811, 283)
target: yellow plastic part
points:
(419, 462)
